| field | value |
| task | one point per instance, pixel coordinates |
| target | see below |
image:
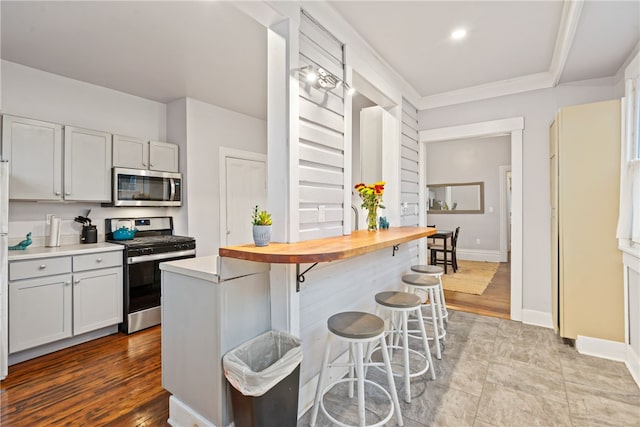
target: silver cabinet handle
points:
(99, 260)
(42, 266)
(67, 193)
(144, 164)
(151, 165)
(67, 283)
(76, 281)
(57, 193)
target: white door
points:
(245, 186)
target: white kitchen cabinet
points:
(97, 299)
(39, 311)
(87, 165)
(136, 153)
(54, 298)
(34, 151)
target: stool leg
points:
(323, 367)
(434, 320)
(405, 349)
(360, 379)
(425, 342)
(444, 303)
(351, 368)
(438, 301)
(390, 380)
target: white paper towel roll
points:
(54, 235)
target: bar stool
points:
(403, 304)
(437, 272)
(429, 287)
(357, 328)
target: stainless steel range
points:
(154, 243)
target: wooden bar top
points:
(327, 249)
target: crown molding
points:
(569, 21)
(537, 81)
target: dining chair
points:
(431, 242)
(449, 256)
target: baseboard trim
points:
(478, 255)
(181, 415)
(633, 364)
(537, 318)
(604, 349)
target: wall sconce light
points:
(323, 79)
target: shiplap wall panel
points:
(320, 155)
(321, 136)
(409, 156)
(317, 35)
(313, 52)
(317, 114)
(313, 174)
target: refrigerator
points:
(4, 267)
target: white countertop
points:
(78, 249)
(205, 268)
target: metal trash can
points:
(264, 374)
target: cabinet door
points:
(97, 299)
(87, 166)
(39, 311)
(129, 152)
(34, 151)
(163, 156)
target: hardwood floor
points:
(112, 381)
(495, 301)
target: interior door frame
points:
(513, 127)
(232, 153)
(504, 212)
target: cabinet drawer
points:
(97, 260)
(39, 267)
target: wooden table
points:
(444, 235)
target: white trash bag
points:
(255, 367)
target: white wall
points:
(36, 94)
(471, 160)
(538, 108)
(208, 128)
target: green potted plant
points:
(261, 221)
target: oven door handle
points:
(156, 257)
(172, 187)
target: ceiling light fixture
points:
(459, 34)
(323, 79)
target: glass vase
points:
(372, 218)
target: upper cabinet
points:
(87, 165)
(135, 153)
(35, 152)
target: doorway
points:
(243, 185)
(514, 128)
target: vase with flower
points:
(371, 196)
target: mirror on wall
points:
(456, 198)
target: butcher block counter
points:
(327, 249)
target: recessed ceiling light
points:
(459, 34)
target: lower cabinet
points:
(39, 311)
(44, 309)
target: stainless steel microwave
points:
(138, 187)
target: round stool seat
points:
(356, 325)
(398, 299)
(420, 280)
(427, 269)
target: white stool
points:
(428, 287)
(357, 329)
(437, 272)
(403, 304)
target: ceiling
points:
(213, 52)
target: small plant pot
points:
(262, 235)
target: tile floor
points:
(496, 372)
